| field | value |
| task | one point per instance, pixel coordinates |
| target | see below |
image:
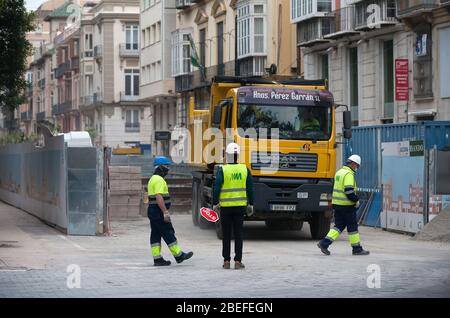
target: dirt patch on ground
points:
(437, 230)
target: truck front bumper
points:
(277, 197)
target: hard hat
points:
(355, 158)
(161, 160)
(233, 148)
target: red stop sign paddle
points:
(209, 214)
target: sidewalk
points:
(34, 260)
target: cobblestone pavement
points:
(34, 259)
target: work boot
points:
(161, 262)
(238, 265)
(226, 265)
(323, 249)
(184, 256)
(361, 252)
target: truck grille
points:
(301, 162)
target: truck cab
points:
(286, 131)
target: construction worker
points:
(158, 213)
(307, 122)
(233, 190)
(345, 203)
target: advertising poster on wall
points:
(403, 184)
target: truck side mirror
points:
(347, 116)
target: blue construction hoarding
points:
(367, 142)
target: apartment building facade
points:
(228, 38)
(87, 75)
(359, 44)
(157, 87)
(110, 75)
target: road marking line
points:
(73, 243)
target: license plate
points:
(282, 207)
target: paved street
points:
(34, 259)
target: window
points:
(131, 37)
(251, 29)
(158, 31)
(181, 52)
(132, 120)
(202, 36)
(444, 67)
(220, 68)
(131, 82)
(353, 60)
(388, 72)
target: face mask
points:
(162, 171)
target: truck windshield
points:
(293, 122)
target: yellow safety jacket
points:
(234, 190)
(345, 177)
(157, 185)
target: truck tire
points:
(219, 231)
(202, 222)
(319, 225)
(295, 225)
(194, 203)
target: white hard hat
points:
(355, 158)
(233, 148)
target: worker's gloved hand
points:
(357, 204)
(250, 210)
(216, 208)
(167, 217)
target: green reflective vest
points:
(344, 177)
(234, 190)
(157, 185)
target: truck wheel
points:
(202, 222)
(295, 225)
(219, 231)
(194, 204)
(319, 225)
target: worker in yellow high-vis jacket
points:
(345, 203)
(158, 213)
(233, 192)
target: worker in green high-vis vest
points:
(345, 203)
(233, 192)
(158, 213)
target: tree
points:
(15, 22)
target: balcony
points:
(342, 23)
(128, 98)
(41, 83)
(183, 4)
(98, 98)
(40, 116)
(61, 108)
(87, 100)
(61, 69)
(132, 127)
(367, 17)
(129, 50)
(410, 8)
(312, 9)
(88, 53)
(445, 2)
(75, 63)
(26, 116)
(98, 51)
(314, 31)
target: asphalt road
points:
(38, 261)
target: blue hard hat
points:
(161, 160)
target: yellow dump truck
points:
(286, 130)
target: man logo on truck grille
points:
(306, 147)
